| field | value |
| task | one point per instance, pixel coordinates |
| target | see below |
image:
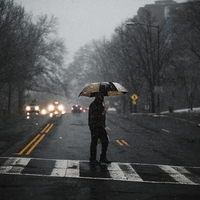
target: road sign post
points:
(134, 97)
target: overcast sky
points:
(81, 21)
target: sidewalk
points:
(192, 117)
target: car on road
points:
(76, 109)
(56, 108)
(32, 108)
(111, 110)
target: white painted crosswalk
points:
(63, 168)
(135, 172)
(180, 178)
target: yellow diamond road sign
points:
(134, 97)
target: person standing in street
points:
(96, 122)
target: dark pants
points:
(100, 133)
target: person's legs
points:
(93, 145)
(104, 139)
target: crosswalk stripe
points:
(5, 169)
(188, 174)
(8, 165)
(11, 161)
(21, 163)
(66, 168)
(73, 168)
(131, 174)
(60, 168)
(117, 171)
(176, 175)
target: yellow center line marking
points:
(108, 128)
(45, 128)
(35, 145)
(119, 142)
(48, 129)
(21, 152)
(125, 143)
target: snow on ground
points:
(186, 110)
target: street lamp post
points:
(158, 88)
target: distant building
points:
(160, 12)
(160, 9)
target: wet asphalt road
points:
(153, 158)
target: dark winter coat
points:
(96, 118)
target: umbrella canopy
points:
(107, 88)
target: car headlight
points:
(60, 107)
(28, 108)
(43, 112)
(36, 107)
(51, 107)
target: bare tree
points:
(31, 58)
(150, 49)
(186, 37)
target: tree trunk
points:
(20, 99)
(9, 97)
(153, 107)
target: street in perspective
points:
(100, 100)
(152, 158)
